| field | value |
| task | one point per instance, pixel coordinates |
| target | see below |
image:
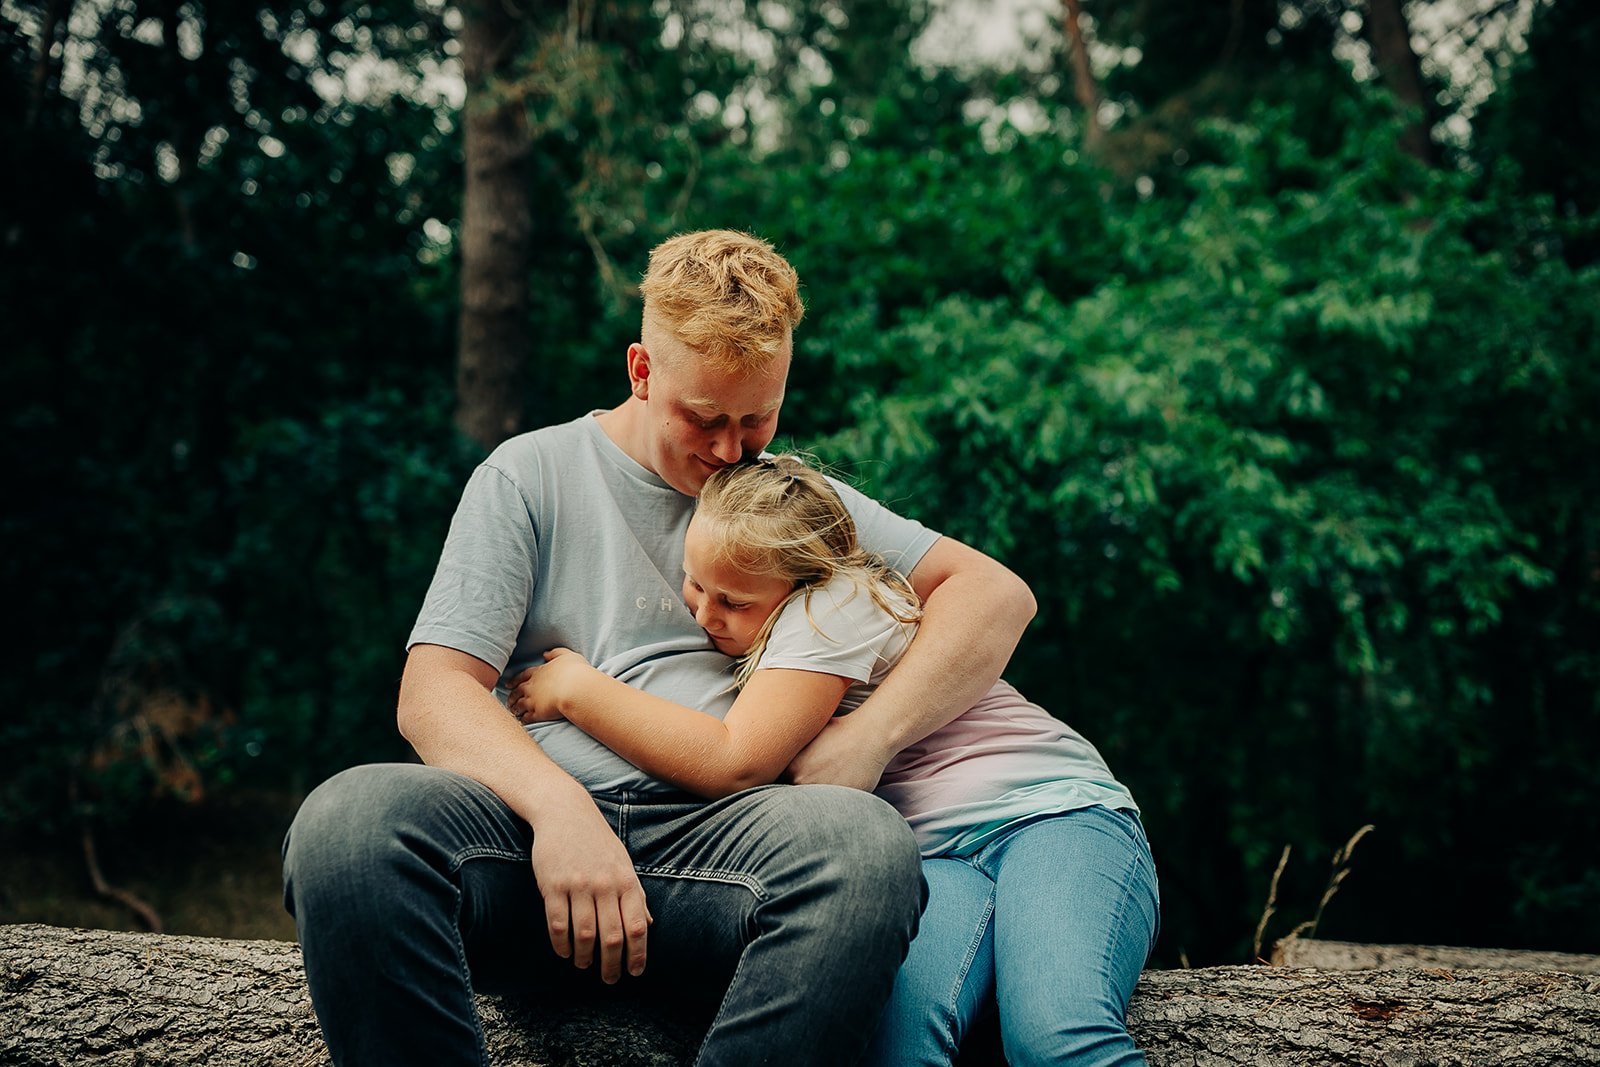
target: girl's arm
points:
(773, 717)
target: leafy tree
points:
(1263, 448)
(219, 258)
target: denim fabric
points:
(1050, 924)
(411, 886)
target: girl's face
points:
(729, 604)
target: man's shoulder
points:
(560, 437)
(528, 458)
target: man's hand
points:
(539, 694)
(840, 755)
(592, 896)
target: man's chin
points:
(688, 481)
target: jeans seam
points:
(479, 853)
(953, 998)
(466, 977)
(704, 874)
(700, 1053)
(1144, 858)
(1119, 930)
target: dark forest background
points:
(1262, 338)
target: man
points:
(514, 850)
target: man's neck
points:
(624, 424)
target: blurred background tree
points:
(1260, 337)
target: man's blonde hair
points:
(729, 296)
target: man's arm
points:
(591, 893)
(974, 612)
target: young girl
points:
(1042, 894)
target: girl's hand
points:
(539, 693)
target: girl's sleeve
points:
(844, 635)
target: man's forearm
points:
(593, 901)
(452, 719)
(971, 624)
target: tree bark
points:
(97, 998)
(494, 334)
(1389, 35)
(56, 13)
(100, 998)
(1084, 86)
(1347, 956)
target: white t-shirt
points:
(839, 630)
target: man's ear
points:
(639, 370)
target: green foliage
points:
(1292, 438)
(1286, 484)
(223, 397)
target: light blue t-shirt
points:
(563, 539)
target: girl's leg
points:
(1076, 905)
(948, 975)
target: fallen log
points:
(84, 997)
(1352, 956)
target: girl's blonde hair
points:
(777, 517)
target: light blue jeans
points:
(1051, 923)
(411, 888)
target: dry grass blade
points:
(1271, 906)
(1341, 868)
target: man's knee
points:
(869, 849)
(348, 830)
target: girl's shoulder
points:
(839, 628)
(857, 596)
(844, 610)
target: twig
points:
(90, 857)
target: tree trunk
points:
(1345, 956)
(79, 998)
(1219, 1016)
(494, 335)
(1084, 86)
(1389, 35)
(56, 13)
(86, 997)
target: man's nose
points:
(727, 445)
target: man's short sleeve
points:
(900, 541)
(484, 583)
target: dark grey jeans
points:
(411, 886)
